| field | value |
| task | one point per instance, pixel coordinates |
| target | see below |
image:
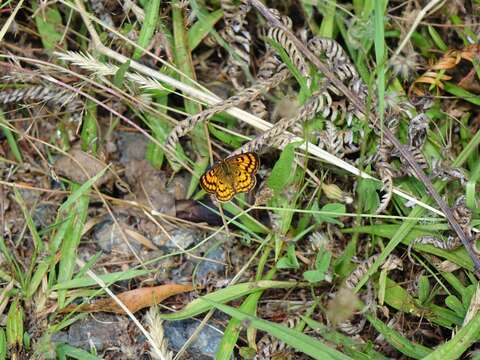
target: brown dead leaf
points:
(134, 300)
(470, 82)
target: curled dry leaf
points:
(450, 60)
(134, 300)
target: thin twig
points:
(418, 19)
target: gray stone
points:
(206, 344)
(109, 238)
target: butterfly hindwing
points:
(244, 182)
(225, 190)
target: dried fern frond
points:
(417, 131)
(330, 141)
(244, 96)
(271, 348)
(259, 109)
(318, 102)
(239, 40)
(463, 216)
(385, 172)
(354, 278)
(337, 59)
(391, 263)
(279, 36)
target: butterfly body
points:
(230, 176)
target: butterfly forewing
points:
(209, 181)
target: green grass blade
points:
(37, 241)
(42, 268)
(12, 142)
(327, 9)
(107, 278)
(71, 241)
(380, 55)
(351, 346)
(202, 27)
(398, 341)
(232, 331)
(183, 60)
(230, 293)
(64, 350)
(462, 340)
(291, 337)
(249, 306)
(152, 14)
(462, 93)
(160, 130)
(81, 191)
(3, 345)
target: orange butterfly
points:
(231, 176)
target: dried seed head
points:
(333, 192)
(404, 65)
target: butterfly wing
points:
(244, 167)
(225, 189)
(209, 180)
(215, 181)
(247, 161)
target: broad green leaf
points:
(14, 326)
(367, 194)
(89, 133)
(202, 27)
(437, 38)
(289, 261)
(423, 289)
(455, 304)
(330, 213)
(49, 25)
(282, 172)
(400, 299)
